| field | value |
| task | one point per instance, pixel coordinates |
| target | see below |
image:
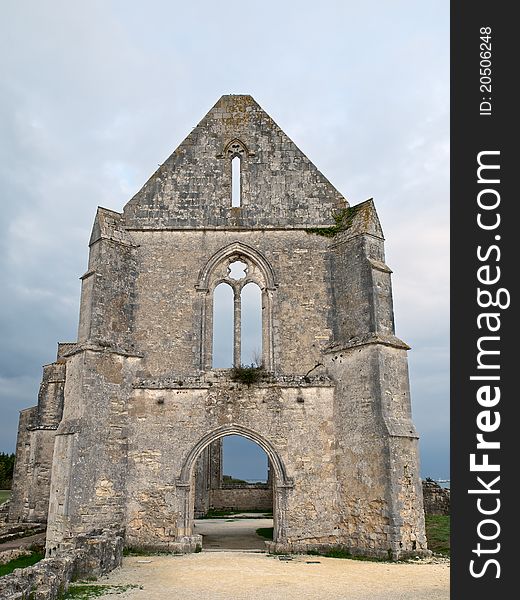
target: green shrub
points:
(248, 374)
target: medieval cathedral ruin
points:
(128, 428)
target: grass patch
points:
(343, 220)
(222, 514)
(265, 532)
(438, 533)
(4, 495)
(84, 591)
(21, 563)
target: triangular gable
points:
(280, 187)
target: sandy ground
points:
(242, 575)
(218, 573)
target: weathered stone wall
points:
(207, 476)
(108, 287)
(251, 497)
(295, 421)
(436, 498)
(171, 330)
(94, 554)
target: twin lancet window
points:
(237, 319)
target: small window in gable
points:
(235, 182)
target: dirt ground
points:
(242, 575)
(30, 540)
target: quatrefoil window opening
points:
(237, 270)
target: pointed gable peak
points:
(279, 186)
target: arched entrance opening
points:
(278, 480)
(233, 503)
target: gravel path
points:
(231, 534)
(254, 576)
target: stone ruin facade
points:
(131, 411)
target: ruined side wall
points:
(169, 308)
(89, 556)
(35, 447)
(245, 498)
(166, 424)
(436, 498)
(207, 476)
(201, 485)
(88, 488)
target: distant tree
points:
(6, 470)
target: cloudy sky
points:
(94, 95)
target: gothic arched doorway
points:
(186, 482)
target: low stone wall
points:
(436, 499)
(251, 497)
(93, 554)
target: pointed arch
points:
(234, 429)
(282, 484)
(214, 272)
(237, 249)
(234, 148)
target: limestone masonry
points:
(130, 418)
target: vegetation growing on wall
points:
(342, 220)
(248, 374)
